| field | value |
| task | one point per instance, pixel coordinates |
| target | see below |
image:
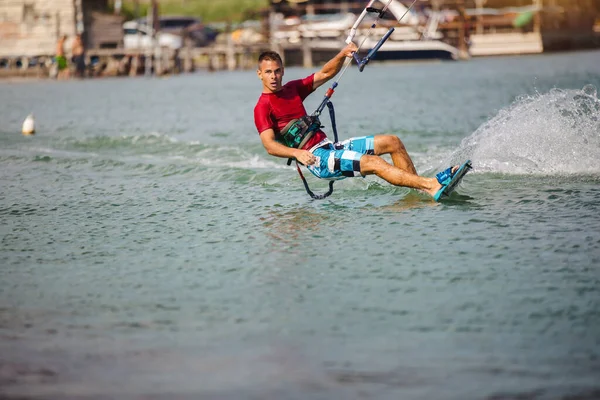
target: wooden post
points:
(463, 51)
(278, 48)
(134, 65)
(213, 60)
(169, 61)
(537, 23)
(158, 64)
(271, 29)
(245, 58)
(152, 48)
(188, 63)
(24, 62)
(479, 4)
(307, 60)
(230, 53)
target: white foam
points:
(243, 160)
(150, 135)
(553, 133)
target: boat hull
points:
(323, 51)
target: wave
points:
(153, 152)
(555, 133)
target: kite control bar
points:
(362, 62)
(371, 54)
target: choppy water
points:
(149, 247)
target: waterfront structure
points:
(487, 27)
(31, 28)
(533, 26)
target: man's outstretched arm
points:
(333, 66)
(277, 149)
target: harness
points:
(298, 131)
(335, 137)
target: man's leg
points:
(392, 145)
(396, 176)
(345, 163)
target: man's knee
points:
(371, 164)
(389, 144)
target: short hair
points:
(269, 56)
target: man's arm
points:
(277, 149)
(333, 66)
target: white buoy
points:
(28, 125)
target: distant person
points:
(78, 56)
(280, 105)
(466, 21)
(61, 61)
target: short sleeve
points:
(305, 86)
(262, 117)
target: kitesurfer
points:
(279, 111)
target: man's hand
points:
(349, 50)
(333, 66)
(277, 149)
(305, 157)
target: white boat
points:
(392, 50)
(412, 50)
(325, 35)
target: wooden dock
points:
(132, 62)
(164, 61)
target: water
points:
(150, 248)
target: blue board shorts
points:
(341, 160)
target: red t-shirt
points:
(275, 110)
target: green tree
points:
(209, 11)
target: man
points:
(279, 104)
(60, 59)
(78, 56)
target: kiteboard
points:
(449, 181)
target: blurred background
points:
(131, 37)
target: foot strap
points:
(445, 176)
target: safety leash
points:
(335, 137)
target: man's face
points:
(271, 75)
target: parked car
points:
(139, 36)
(171, 33)
(175, 24)
(201, 35)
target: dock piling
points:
(307, 60)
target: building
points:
(30, 28)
